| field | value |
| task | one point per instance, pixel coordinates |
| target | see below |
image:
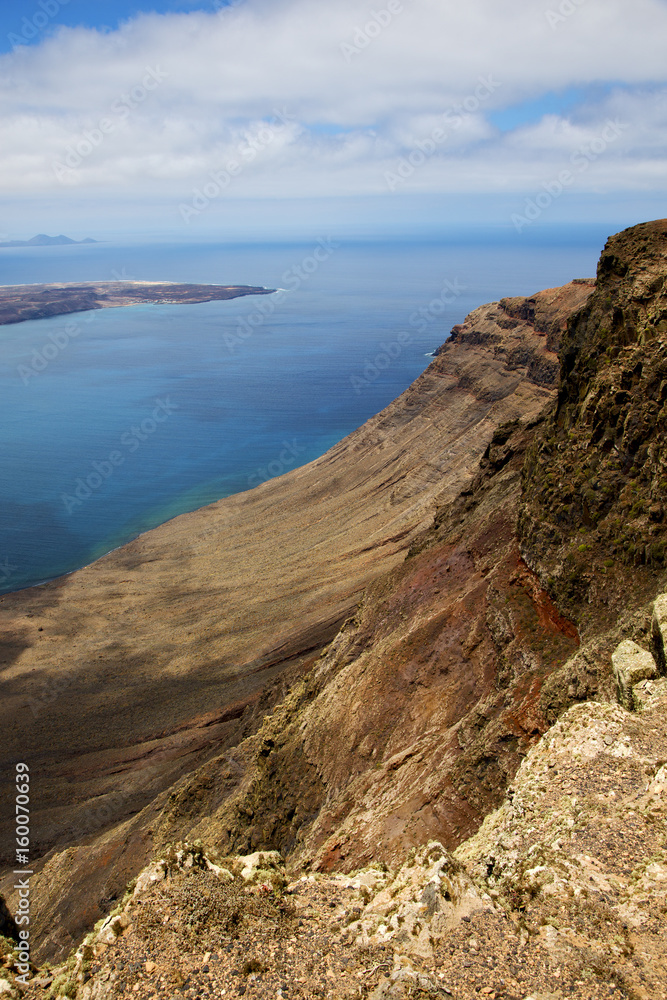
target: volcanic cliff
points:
(355, 659)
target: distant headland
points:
(42, 240)
(24, 302)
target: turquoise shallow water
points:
(113, 421)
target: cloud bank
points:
(288, 99)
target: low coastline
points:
(19, 303)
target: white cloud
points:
(341, 96)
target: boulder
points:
(149, 877)
(98, 989)
(406, 982)
(112, 928)
(263, 867)
(631, 665)
(659, 626)
(367, 878)
(649, 694)
(428, 896)
(223, 873)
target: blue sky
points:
(559, 103)
(183, 118)
(103, 15)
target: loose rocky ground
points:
(561, 894)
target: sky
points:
(189, 120)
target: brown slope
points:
(411, 725)
(115, 669)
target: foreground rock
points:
(578, 852)
(24, 302)
(562, 893)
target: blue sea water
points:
(113, 421)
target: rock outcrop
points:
(631, 664)
(593, 526)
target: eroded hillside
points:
(562, 893)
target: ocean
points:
(116, 420)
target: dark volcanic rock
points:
(593, 523)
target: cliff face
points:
(593, 524)
(463, 568)
(166, 654)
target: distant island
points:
(42, 240)
(23, 302)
